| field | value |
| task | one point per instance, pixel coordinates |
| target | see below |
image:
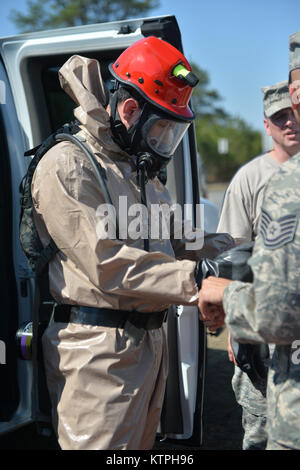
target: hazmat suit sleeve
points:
(188, 241)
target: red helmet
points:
(160, 73)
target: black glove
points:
(231, 264)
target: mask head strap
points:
(119, 131)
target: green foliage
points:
(206, 101)
(214, 123)
(45, 14)
(244, 144)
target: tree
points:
(206, 101)
(244, 144)
(45, 14)
(214, 123)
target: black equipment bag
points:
(38, 259)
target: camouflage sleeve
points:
(269, 309)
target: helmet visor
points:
(164, 135)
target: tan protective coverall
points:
(106, 392)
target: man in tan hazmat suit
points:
(105, 352)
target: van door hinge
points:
(23, 287)
(126, 29)
(24, 275)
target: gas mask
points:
(153, 138)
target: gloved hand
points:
(231, 264)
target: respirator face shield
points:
(157, 135)
(163, 135)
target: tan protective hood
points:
(80, 77)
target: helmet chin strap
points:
(148, 164)
(129, 140)
(124, 140)
(119, 131)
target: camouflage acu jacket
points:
(268, 311)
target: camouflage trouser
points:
(255, 437)
(273, 445)
(254, 406)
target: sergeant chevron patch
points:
(276, 233)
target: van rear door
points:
(16, 301)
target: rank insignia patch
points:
(276, 233)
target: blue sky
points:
(242, 44)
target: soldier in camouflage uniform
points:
(268, 311)
(239, 217)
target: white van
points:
(33, 106)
